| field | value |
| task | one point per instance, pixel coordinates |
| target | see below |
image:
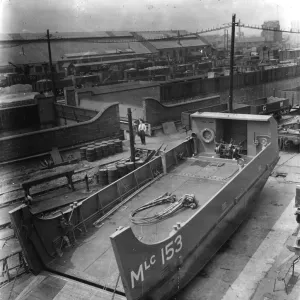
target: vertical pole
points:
(164, 162)
(231, 64)
(51, 67)
(226, 43)
(132, 150)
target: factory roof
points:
(155, 35)
(109, 62)
(24, 36)
(251, 39)
(67, 35)
(182, 43)
(37, 52)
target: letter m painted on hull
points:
(138, 276)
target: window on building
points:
(38, 69)
(161, 53)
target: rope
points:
(188, 200)
(11, 289)
(113, 296)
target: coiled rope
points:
(188, 200)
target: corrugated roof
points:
(152, 35)
(109, 62)
(178, 44)
(37, 52)
(218, 115)
(66, 65)
(101, 57)
(251, 39)
(88, 53)
(82, 34)
(192, 43)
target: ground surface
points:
(247, 265)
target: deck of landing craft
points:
(93, 258)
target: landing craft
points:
(159, 270)
(159, 225)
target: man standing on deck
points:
(135, 125)
(142, 132)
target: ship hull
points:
(214, 240)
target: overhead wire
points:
(108, 40)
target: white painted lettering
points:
(162, 256)
(138, 276)
(178, 241)
(152, 260)
(146, 266)
(169, 251)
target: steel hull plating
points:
(215, 239)
(158, 271)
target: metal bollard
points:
(195, 143)
(164, 162)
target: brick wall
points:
(156, 113)
(132, 98)
(19, 117)
(106, 123)
(66, 114)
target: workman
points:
(142, 132)
(297, 214)
(28, 200)
(135, 125)
(65, 228)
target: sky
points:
(133, 15)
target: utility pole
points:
(231, 64)
(132, 150)
(227, 43)
(51, 67)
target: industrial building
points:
(21, 49)
(272, 36)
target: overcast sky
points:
(89, 15)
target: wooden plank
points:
(5, 253)
(35, 282)
(47, 177)
(285, 266)
(56, 156)
(58, 201)
(6, 233)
